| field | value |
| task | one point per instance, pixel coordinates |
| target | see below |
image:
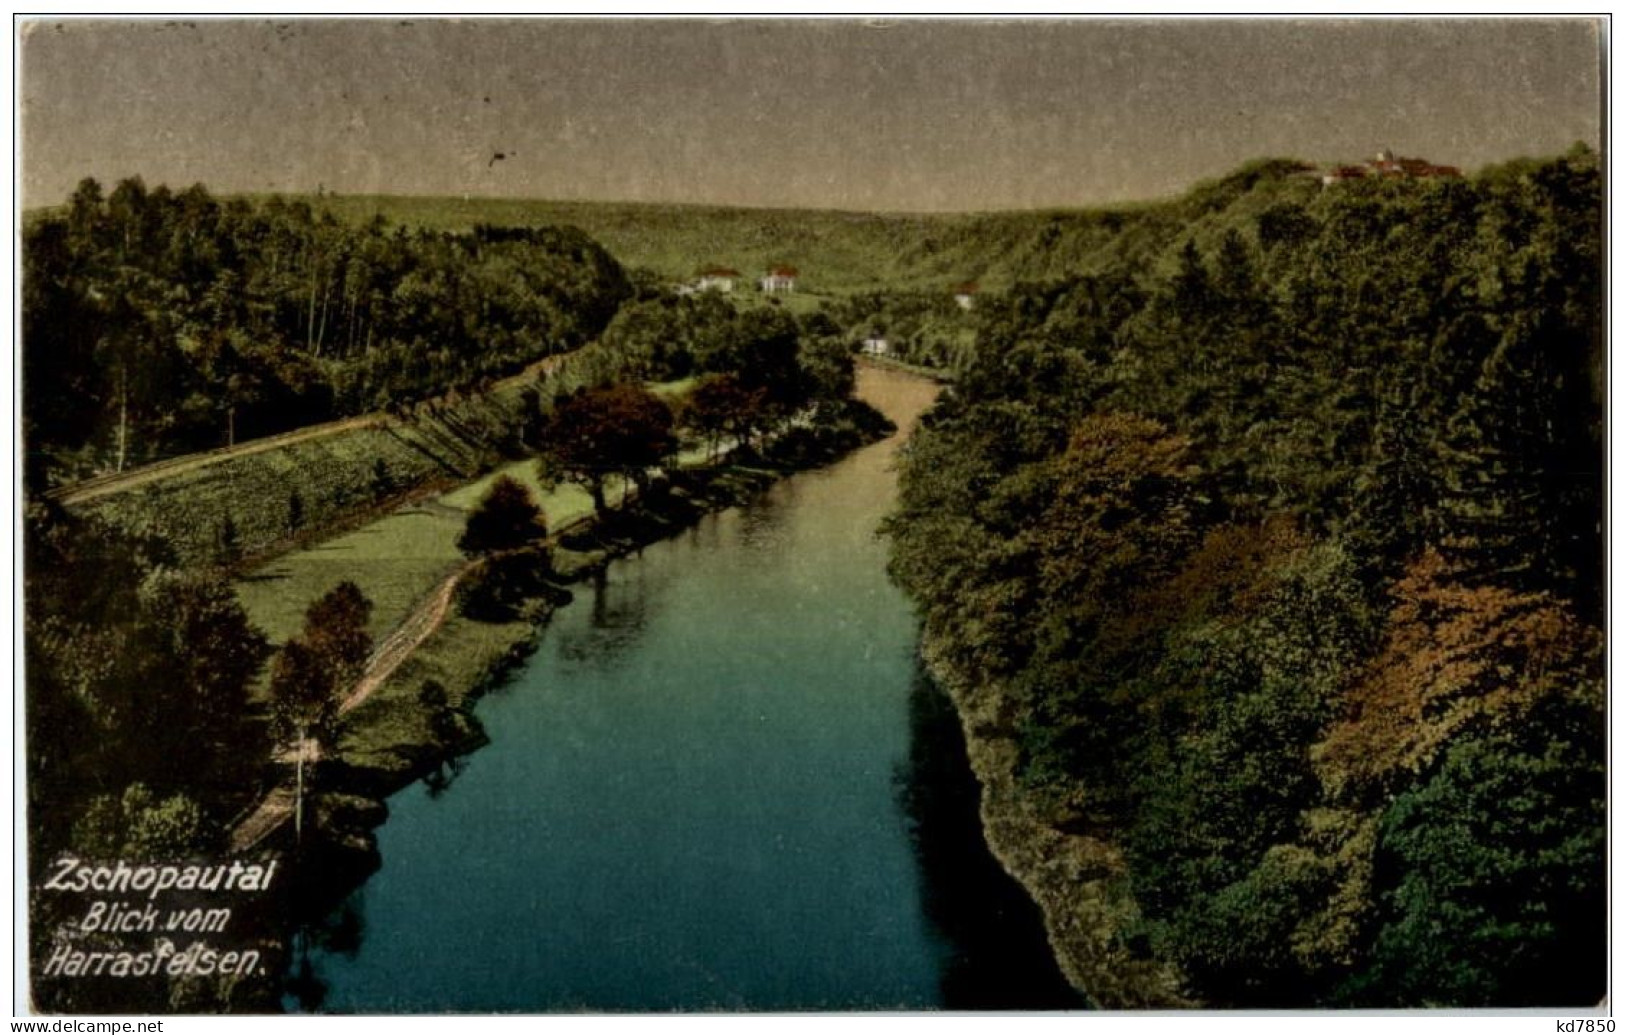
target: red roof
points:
(782, 271)
(718, 271)
(967, 288)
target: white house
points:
(716, 278)
(876, 347)
(780, 278)
(965, 294)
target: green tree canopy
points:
(505, 519)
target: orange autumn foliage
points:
(1457, 659)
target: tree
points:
(505, 519)
(442, 717)
(303, 701)
(138, 825)
(720, 405)
(336, 630)
(1496, 885)
(200, 654)
(615, 429)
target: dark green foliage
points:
(304, 697)
(501, 585)
(136, 674)
(1277, 542)
(506, 519)
(136, 825)
(156, 323)
(1492, 880)
(229, 546)
(442, 718)
(383, 480)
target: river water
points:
(721, 783)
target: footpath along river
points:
(721, 783)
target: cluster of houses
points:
(723, 279)
(1386, 165)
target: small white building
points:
(716, 278)
(876, 347)
(779, 278)
(965, 294)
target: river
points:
(721, 783)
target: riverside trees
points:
(616, 429)
(314, 670)
(137, 675)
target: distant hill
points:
(836, 252)
(845, 252)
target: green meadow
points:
(398, 559)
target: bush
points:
(500, 586)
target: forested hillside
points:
(158, 323)
(837, 253)
(1275, 544)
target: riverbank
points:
(712, 779)
(1080, 881)
(400, 735)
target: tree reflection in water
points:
(339, 932)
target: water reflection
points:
(439, 780)
(619, 608)
(997, 958)
(762, 522)
(340, 932)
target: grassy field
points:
(396, 560)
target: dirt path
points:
(277, 806)
(408, 636)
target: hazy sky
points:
(910, 115)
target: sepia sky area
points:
(899, 116)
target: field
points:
(260, 496)
(398, 559)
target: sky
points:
(910, 115)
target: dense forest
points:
(1277, 542)
(159, 323)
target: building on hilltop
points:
(780, 278)
(1389, 166)
(965, 294)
